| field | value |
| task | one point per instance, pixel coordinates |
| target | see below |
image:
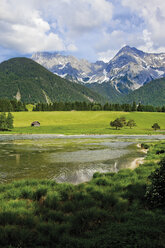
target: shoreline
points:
(136, 162)
(150, 136)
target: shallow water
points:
(8, 137)
(72, 159)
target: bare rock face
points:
(128, 70)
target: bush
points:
(155, 126)
(102, 181)
(155, 193)
(160, 151)
(144, 146)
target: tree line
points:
(7, 105)
(6, 121)
(84, 106)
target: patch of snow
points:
(62, 67)
(160, 73)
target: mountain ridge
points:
(127, 71)
(28, 81)
(152, 93)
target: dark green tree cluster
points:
(155, 126)
(155, 193)
(6, 121)
(84, 106)
(67, 106)
(12, 105)
(121, 122)
(116, 123)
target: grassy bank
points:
(109, 211)
(86, 122)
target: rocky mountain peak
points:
(130, 50)
(128, 70)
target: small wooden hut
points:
(35, 124)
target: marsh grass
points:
(109, 211)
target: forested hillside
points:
(26, 80)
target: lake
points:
(71, 159)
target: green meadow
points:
(86, 122)
(114, 210)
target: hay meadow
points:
(86, 122)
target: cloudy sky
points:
(90, 29)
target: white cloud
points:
(111, 41)
(106, 56)
(153, 14)
(23, 29)
(52, 25)
(79, 16)
(89, 28)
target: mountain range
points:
(127, 71)
(131, 75)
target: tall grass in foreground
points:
(109, 211)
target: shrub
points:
(144, 146)
(155, 126)
(155, 193)
(160, 151)
(97, 174)
(103, 181)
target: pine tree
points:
(140, 107)
(9, 121)
(3, 125)
(134, 106)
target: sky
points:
(89, 29)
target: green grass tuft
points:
(111, 210)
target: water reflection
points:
(64, 160)
(17, 159)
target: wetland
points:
(72, 159)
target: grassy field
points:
(86, 122)
(112, 210)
